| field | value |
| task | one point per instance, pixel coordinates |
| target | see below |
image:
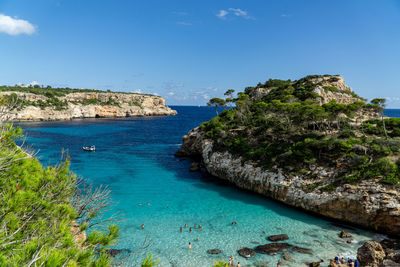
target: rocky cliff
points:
(226, 146)
(37, 107)
(368, 204)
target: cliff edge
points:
(312, 144)
(49, 106)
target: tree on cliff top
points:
(216, 102)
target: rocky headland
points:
(29, 106)
(325, 181)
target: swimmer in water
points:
(185, 225)
(200, 228)
(181, 229)
(148, 203)
(190, 245)
(195, 225)
(190, 229)
(142, 226)
(140, 204)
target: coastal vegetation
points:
(49, 91)
(48, 215)
(287, 124)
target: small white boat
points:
(89, 148)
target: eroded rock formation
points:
(88, 105)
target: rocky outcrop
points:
(273, 248)
(371, 254)
(275, 238)
(247, 252)
(87, 105)
(379, 254)
(368, 204)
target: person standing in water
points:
(190, 245)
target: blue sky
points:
(189, 51)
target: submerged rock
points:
(195, 166)
(275, 238)
(344, 234)
(261, 264)
(287, 256)
(247, 252)
(273, 248)
(214, 251)
(114, 252)
(303, 250)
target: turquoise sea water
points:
(135, 158)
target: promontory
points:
(49, 104)
(312, 143)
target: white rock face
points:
(368, 204)
(129, 105)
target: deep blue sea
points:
(135, 159)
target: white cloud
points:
(184, 23)
(286, 15)
(171, 93)
(156, 93)
(138, 91)
(206, 96)
(238, 12)
(212, 88)
(34, 83)
(14, 26)
(393, 99)
(223, 14)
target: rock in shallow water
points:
(344, 234)
(247, 252)
(303, 250)
(195, 166)
(273, 248)
(214, 251)
(275, 238)
(287, 256)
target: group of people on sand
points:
(349, 262)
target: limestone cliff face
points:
(368, 204)
(106, 104)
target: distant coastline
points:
(56, 104)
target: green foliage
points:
(149, 261)
(288, 128)
(36, 214)
(220, 263)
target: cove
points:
(135, 159)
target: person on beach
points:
(231, 261)
(337, 261)
(190, 245)
(356, 264)
(342, 261)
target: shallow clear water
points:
(135, 158)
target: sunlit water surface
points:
(135, 158)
